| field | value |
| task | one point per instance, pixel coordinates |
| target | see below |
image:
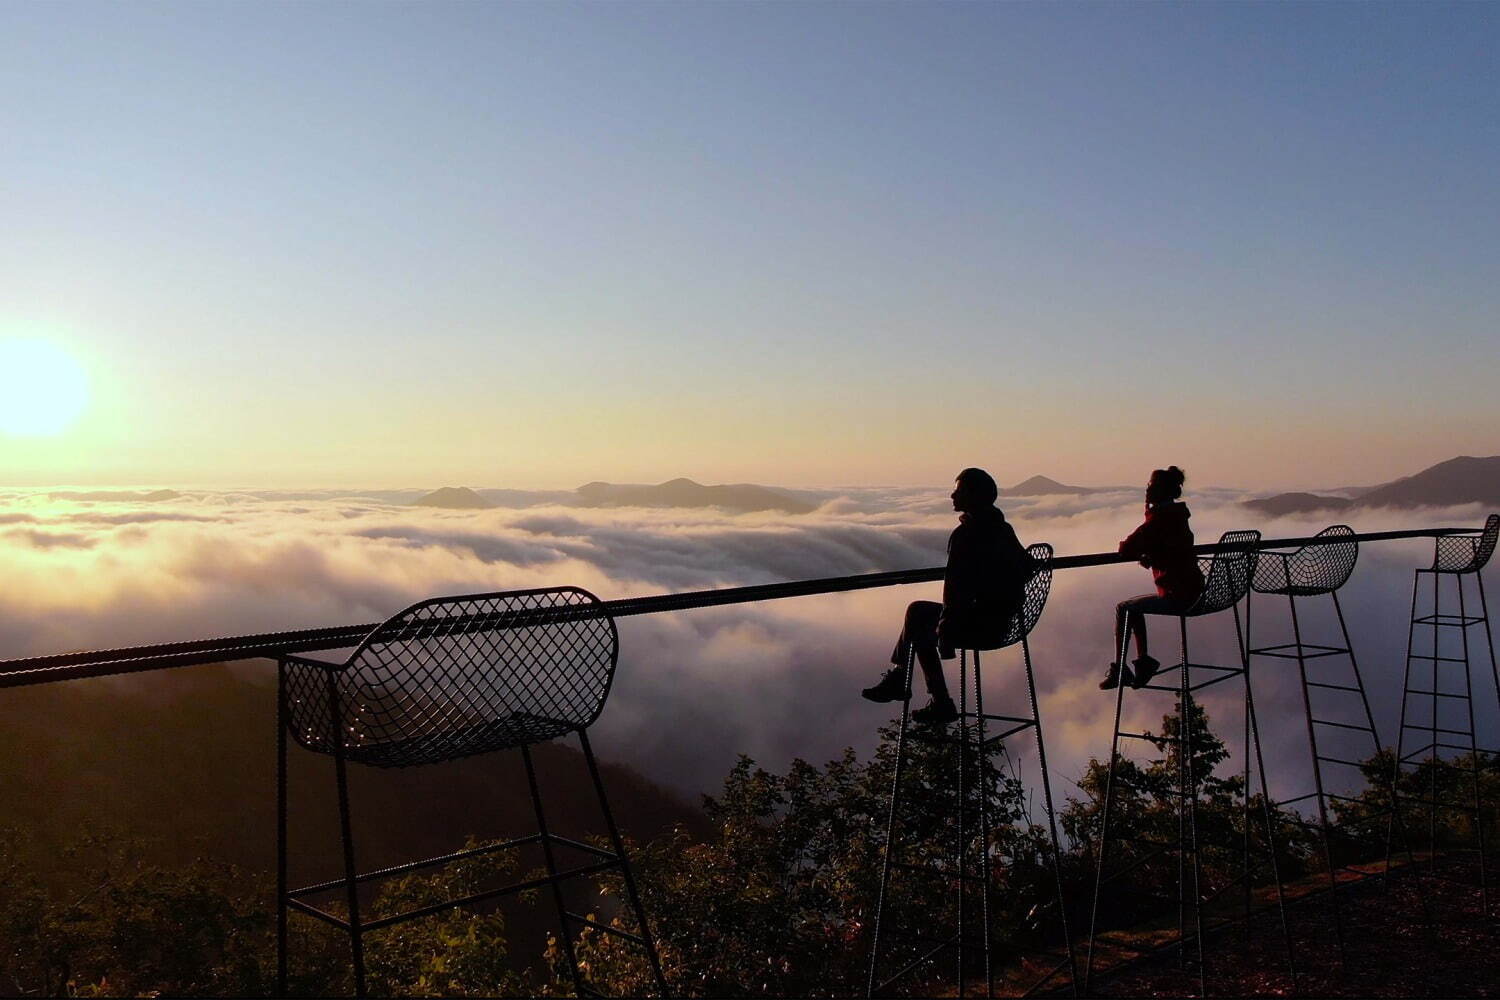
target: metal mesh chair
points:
(1227, 576)
(1445, 742)
(1320, 569)
(445, 679)
(1469, 552)
(1310, 570)
(971, 865)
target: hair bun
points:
(1166, 484)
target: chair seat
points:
(1294, 591)
(518, 730)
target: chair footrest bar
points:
(412, 866)
(1450, 620)
(479, 897)
(1439, 659)
(606, 928)
(1212, 681)
(1341, 725)
(935, 872)
(1340, 760)
(1435, 694)
(926, 957)
(1333, 687)
(1435, 805)
(313, 911)
(1009, 733)
(1307, 647)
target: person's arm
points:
(1138, 543)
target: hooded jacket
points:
(1165, 544)
(985, 581)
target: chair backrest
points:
(454, 676)
(1312, 568)
(1034, 598)
(1227, 573)
(1467, 553)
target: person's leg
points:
(1130, 618)
(1136, 610)
(919, 636)
(921, 633)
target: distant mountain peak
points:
(453, 498)
(1038, 486)
(1465, 479)
(682, 492)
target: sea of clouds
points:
(775, 680)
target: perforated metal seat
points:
(974, 863)
(1310, 570)
(449, 678)
(1226, 573)
(456, 676)
(1467, 553)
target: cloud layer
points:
(773, 680)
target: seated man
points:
(982, 589)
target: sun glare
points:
(42, 389)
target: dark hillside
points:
(185, 759)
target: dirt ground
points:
(1424, 936)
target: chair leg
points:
(564, 933)
(1041, 752)
(1390, 827)
(356, 943)
(619, 849)
(1484, 882)
(890, 827)
(1489, 638)
(1109, 788)
(1190, 796)
(961, 856)
(1323, 828)
(984, 824)
(1265, 796)
(281, 914)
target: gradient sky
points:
(538, 244)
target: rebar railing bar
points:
(47, 669)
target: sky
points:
(532, 245)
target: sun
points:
(42, 389)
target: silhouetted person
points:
(982, 589)
(1164, 543)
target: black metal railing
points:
(49, 669)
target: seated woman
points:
(1164, 543)
(983, 587)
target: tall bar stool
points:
(969, 865)
(448, 678)
(1458, 555)
(1227, 575)
(1317, 570)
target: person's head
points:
(973, 490)
(1165, 485)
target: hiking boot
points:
(892, 687)
(1145, 669)
(1112, 678)
(938, 711)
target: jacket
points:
(984, 583)
(1165, 544)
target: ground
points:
(1424, 935)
